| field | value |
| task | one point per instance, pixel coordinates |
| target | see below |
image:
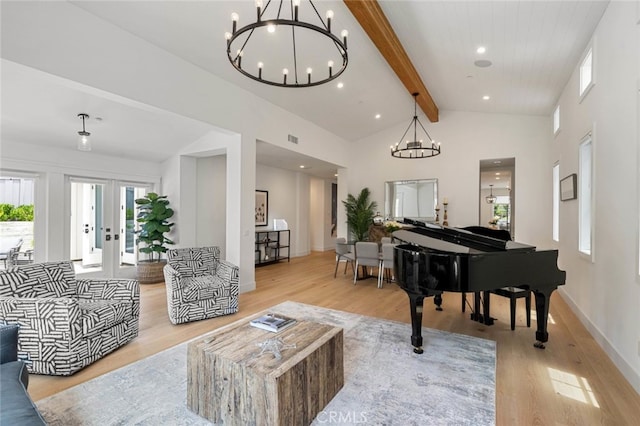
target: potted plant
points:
(153, 215)
(360, 213)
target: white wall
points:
(605, 293)
(288, 195)
(211, 193)
(466, 138)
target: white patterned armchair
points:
(67, 323)
(199, 284)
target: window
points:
(585, 195)
(586, 73)
(556, 120)
(556, 202)
(501, 212)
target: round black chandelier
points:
(306, 43)
(417, 148)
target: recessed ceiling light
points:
(497, 162)
(497, 178)
(336, 175)
(486, 97)
(497, 173)
(481, 50)
(302, 166)
(340, 85)
(378, 116)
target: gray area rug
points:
(451, 383)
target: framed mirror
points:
(415, 199)
(497, 194)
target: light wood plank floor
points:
(572, 382)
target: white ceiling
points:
(533, 45)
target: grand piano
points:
(433, 259)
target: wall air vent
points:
(293, 139)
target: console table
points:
(272, 246)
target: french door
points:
(102, 226)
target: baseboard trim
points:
(618, 360)
(246, 287)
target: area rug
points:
(451, 383)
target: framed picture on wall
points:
(262, 208)
(568, 187)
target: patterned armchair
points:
(67, 323)
(199, 284)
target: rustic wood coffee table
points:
(230, 382)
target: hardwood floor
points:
(571, 382)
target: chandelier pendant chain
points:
(415, 120)
(295, 59)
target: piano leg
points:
(486, 308)
(416, 303)
(542, 313)
(475, 315)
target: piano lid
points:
(444, 238)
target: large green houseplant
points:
(153, 217)
(360, 213)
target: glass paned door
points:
(87, 225)
(102, 228)
(128, 223)
(17, 218)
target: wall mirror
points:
(415, 199)
(497, 193)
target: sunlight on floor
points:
(572, 386)
(534, 317)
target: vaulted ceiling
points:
(532, 47)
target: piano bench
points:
(514, 293)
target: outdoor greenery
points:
(360, 213)
(153, 212)
(11, 213)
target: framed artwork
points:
(262, 207)
(568, 188)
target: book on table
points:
(273, 322)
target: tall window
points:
(556, 120)
(556, 202)
(586, 72)
(585, 195)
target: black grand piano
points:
(434, 259)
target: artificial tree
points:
(153, 215)
(360, 212)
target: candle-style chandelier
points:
(416, 148)
(292, 41)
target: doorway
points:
(497, 194)
(101, 237)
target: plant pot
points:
(151, 272)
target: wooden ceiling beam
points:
(371, 18)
